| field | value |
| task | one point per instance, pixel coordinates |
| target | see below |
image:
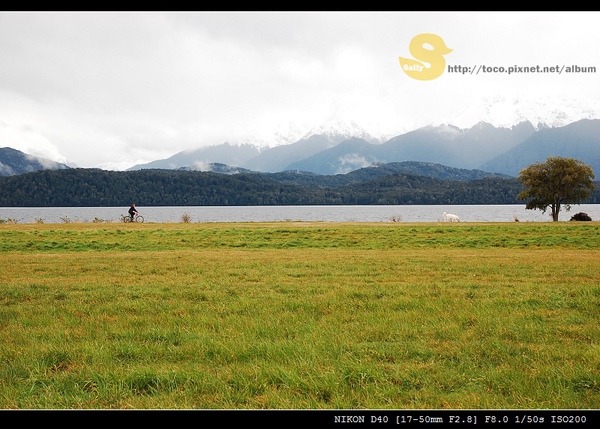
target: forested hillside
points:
(100, 188)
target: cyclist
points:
(132, 211)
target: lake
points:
(334, 213)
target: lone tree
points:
(558, 181)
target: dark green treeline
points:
(100, 188)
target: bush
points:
(581, 216)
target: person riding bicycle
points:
(132, 211)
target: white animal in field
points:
(448, 217)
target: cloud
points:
(352, 161)
(26, 139)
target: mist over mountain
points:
(339, 138)
(200, 159)
(13, 162)
(262, 157)
(349, 155)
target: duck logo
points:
(420, 48)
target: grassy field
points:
(300, 316)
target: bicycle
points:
(136, 218)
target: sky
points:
(115, 89)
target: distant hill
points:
(380, 170)
(430, 169)
(13, 162)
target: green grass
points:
(300, 316)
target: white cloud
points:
(352, 161)
(26, 139)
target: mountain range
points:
(502, 150)
(510, 135)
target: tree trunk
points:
(555, 211)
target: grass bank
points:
(300, 316)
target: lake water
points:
(335, 213)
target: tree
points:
(558, 181)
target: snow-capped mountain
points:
(293, 132)
(262, 155)
(315, 141)
(347, 129)
(281, 135)
(544, 112)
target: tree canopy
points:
(556, 182)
